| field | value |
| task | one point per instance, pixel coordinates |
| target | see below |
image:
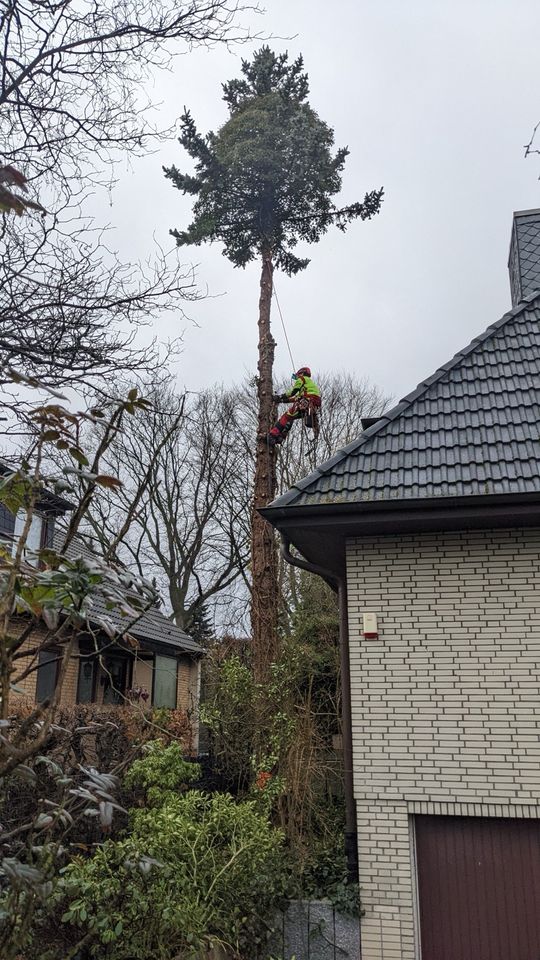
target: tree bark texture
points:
(264, 561)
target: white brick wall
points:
(445, 702)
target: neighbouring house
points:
(156, 664)
(429, 524)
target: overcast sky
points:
(435, 101)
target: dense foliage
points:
(279, 741)
(192, 871)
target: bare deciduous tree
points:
(182, 515)
(73, 100)
(69, 309)
(189, 528)
(72, 75)
(191, 524)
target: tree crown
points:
(266, 180)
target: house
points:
(156, 663)
(429, 526)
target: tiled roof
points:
(470, 429)
(153, 626)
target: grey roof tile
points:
(472, 428)
(153, 626)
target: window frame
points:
(162, 656)
(52, 656)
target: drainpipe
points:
(351, 836)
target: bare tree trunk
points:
(264, 565)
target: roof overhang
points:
(320, 532)
(166, 648)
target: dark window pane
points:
(85, 687)
(165, 682)
(114, 688)
(46, 674)
(7, 521)
(48, 532)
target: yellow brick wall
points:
(183, 677)
(27, 685)
(71, 679)
(445, 699)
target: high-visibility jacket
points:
(303, 387)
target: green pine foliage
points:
(266, 179)
(200, 628)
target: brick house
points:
(159, 659)
(429, 525)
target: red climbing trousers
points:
(306, 406)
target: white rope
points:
(284, 330)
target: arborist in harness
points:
(306, 401)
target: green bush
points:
(162, 770)
(195, 870)
(323, 875)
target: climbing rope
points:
(283, 325)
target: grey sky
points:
(435, 101)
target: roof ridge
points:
(391, 415)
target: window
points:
(114, 678)
(7, 523)
(46, 674)
(86, 682)
(165, 682)
(48, 532)
(35, 533)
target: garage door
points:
(479, 888)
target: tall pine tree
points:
(262, 183)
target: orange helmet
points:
(303, 372)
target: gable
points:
(471, 429)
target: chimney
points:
(524, 258)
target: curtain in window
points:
(165, 682)
(85, 686)
(46, 674)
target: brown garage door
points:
(479, 888)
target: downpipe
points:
(340, 586)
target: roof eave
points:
(321, 533)
(171, 648)
(276, 513)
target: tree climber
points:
(306, 401)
